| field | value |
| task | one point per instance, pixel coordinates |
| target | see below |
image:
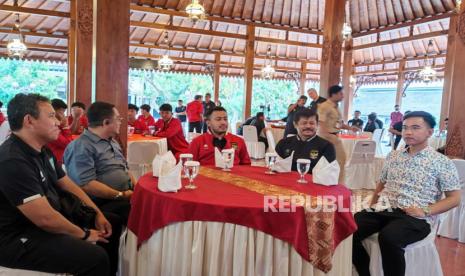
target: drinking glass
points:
(226, 154)
(270, 159)
(130, 130)
(151, 130)
(184, 158)
(192, 169)
(303, 165)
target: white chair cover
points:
(421, 258)
(255, 149)
(4, 131)
(378, 138)
(271, 141)
(192, 135)
(362, 171)
(453, 224)
(140, 157)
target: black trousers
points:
(264, 140)
(396, 230)
(195, 125)
(38, 250)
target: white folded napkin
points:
(326, 173)
(283, 165)
(163, 163)
(219, 161)
(171, 181)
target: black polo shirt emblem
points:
(314, 154)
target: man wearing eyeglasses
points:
(408, 197)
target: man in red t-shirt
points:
(2, 117)
(78, 120)
(203, 146)
(146, 117)
(171, 129)
(64, 138)
(138, 125)
(194, 112)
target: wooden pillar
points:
(456, 127)
(111, 56)
(346, 74)
(216, 78)
(71, 95)
(332, 45)
(82, 80)
(449, 69)
(400, 83)
(303, 77)
(248, 74)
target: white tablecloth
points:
(364, 176)
(278, 134)
(142, 152)
(349, 144)
(215, 248)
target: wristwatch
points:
(86, 234)
(426, 210)
(119, 195)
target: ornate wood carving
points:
(336, 50)
(461, 27)
(85, 20)
(454, 146)
(326, 49)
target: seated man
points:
(139, 126)
(146, 117)
(203, 146)
(171, 128)
(356, 121)
(34, 232)
(64, 137)
(259, 122)
(78, 120)
(96, 162)
(306, 144)
(373, 123)
(410, 189)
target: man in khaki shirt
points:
(331, 123)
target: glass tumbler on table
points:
(192, 169)
(303, 166)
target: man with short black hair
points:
(356, 121)
(139, 126)
(203, 146)
(34, 232)
(77, 121)
(194, 111)
(64, 137)
(396, 115)
(396, 130)
(180, 113)
(208, 105)
(408, 197)
(258, 121)
(171, 129)
(373, 123)
(306, 144)
(146, 117)
(291, 111)
(330, 123)
(96, 162)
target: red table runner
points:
(238, 198)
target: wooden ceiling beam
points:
(48, 48)
(442, 55)
(401, 39)
(24, 10)
(395, 71)
(38, 59)
(32, 33)
(147, 9)
(403, 25)
(288, 42)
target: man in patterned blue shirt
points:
(410, 189)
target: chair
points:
(140, 157)
(421, 258)
(378, 138)
(271, 141)
(192, 135)
(453, 224)
(367, 133)
(360, 171)
(4, 131)
(256, 149)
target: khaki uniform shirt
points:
(329, 116)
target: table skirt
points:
(213, 248)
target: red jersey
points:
(172, 131)
(83, 123)
(139, 126)
(149, 121)
(58, 147)
(2, 118)
(203, 150)
(194, 111)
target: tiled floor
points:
(452, 254)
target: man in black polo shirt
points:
(306, 144)
(291, 111)
(208, 105)
(356, 121)
(34, 235)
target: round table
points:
(224, 228)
